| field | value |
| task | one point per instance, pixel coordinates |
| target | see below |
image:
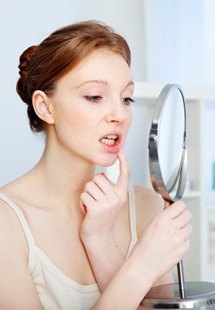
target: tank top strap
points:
(24, 224)
(132, 218)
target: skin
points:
(62, 194)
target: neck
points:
(63, 176)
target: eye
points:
(127, 100)
(93, 98)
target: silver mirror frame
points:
(177, 180)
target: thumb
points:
(167, 204)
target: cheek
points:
(129, 120)
(68, 116)
(67, 122)
(127, 127)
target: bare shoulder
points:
(11, 231)
(16, 285)
(148, 205)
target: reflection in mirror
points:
(171, 132)
(167, 144)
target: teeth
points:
(111, 137)
(109, 140)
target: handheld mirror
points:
(167, 150)
(168, 171)
(167, 144)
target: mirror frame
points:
(177, 180)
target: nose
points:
(117, 112)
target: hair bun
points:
(24, 64)
(25, 60)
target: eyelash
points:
(126, 100)
(93, 98)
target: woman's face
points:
(91, 106)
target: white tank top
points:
(56, 290)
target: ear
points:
(42, 106)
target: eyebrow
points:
(103, 82)
(92, 82)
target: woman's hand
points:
(101, 202)
(165, 241)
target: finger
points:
(184, 233)
(123, 179)
(83, 208)
(87, 201)
(94, 190)
(189, 230)
(175, 209)
(167, 204)
(183, 219)
(108, 194)
(109, 180)
(102, 181)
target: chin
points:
(108, 161)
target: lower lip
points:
(112, 148)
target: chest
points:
(58, 237)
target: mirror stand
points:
(168, 178)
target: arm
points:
(162, 244)
(17, 290)
(103, 201)
(127, 288)
(149, 204)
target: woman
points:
(67, 235)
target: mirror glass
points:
(171, 131)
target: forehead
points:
(102, 64)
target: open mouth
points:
(110, 140)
